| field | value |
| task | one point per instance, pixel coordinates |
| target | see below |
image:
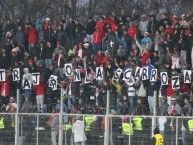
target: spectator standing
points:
(90, 28)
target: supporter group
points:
(122, 41)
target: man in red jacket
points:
(40, 91)
(101, 59)
(100, 25)
(97, 40)
(132, 30)
(31, 33)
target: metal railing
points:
(35, 128)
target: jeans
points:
(90, 38)
(151, 104)
(183, 57)
(48, 62)
(97, 47)
(131, 102)
(118, 100)
(40, 101)
(184, 137)
(54, 134)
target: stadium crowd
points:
(112, 42)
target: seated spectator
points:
(27, 106)
(174, 109)
(11, 106)
(123, 106)
(58, 105)
(187, 109)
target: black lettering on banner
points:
(36, 78)
(127, 74)
(153, 77)
(16, 74)
(77, 75)
(187, 76)
(99, 73)
(117, 74)
(145, 73)
(53, 84)
(164, 78)
(2, 75)
(51, 78)
(26, 84)
(68, 69)
(86, 79)
(137, 73)
(175, 82)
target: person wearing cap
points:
(143, 25)
(79, 132)
(11, 106)
(32, 66)
(183, 22)
(58, 46)
(146, 41)
(157, 138)
(88, 51)
(174, 109)
(47, 22)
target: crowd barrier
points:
(34, 129)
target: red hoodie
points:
(132, 31)
(39, 89)
(144, 57)
(32, 34)
(101, 59)
(97, 37)
(168, 30)
(100, 25)
(5, 87)
(112, 23)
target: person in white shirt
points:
(131, 92)
(78, 130)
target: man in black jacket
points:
(90, 28)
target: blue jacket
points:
(150, 67)
(148, 41)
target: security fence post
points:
(106, 137)
(61, 117)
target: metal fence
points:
(34, 129)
